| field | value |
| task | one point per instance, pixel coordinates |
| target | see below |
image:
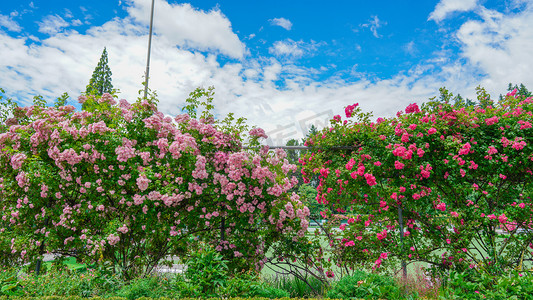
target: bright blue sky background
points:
(282, 64)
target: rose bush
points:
(458, 175)
(123, 183)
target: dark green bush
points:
(207, 270)
(151, 287)
(298, 288)
(366, 286)
(473, 285)
(272, 292)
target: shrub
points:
(157, 181)
(364, 285)
(457, 175)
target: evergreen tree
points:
(100, 82)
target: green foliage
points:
(153, 287)
(200, 99)
(245, 284)
(297, 287)
(207, 269)
(272, 292)
(308, 196)
(61, 100)
(9, 283)
(7, 107)
(39, 101)
(199, 105)
(100, 81)
(473, 285)
(366, 286)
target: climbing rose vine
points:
(460, 176)
(124, 183)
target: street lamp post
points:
(147, 73)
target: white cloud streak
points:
(446, 7)
(8, 23)
(52, 24)
(287, 48)
(374, 24)
(282, 22)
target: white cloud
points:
(374, 24)
(186, 26)
(282, 22)
(446, 7)
(288, 48)
(68, 14)
(52, 24)
(499, 46)
(9, 24)
(410, 48)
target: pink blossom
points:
(412, 108)
(113, 239)
(124, 229)
(17, 160)
(142, 182)
(350, 164)
(350, 243)
(441, 206)
(22, 180)
(492, 150)
(398, 165)
(382, 235)
(370, 179)
(399, 151)
(349, 109)
(258, 132)
(465, 149)
(519, 144)
(377, 263)
(432, 130)
(502, 218)
(492, 121)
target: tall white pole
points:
(147, 73)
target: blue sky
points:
(282, 64)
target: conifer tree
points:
(100, 82)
